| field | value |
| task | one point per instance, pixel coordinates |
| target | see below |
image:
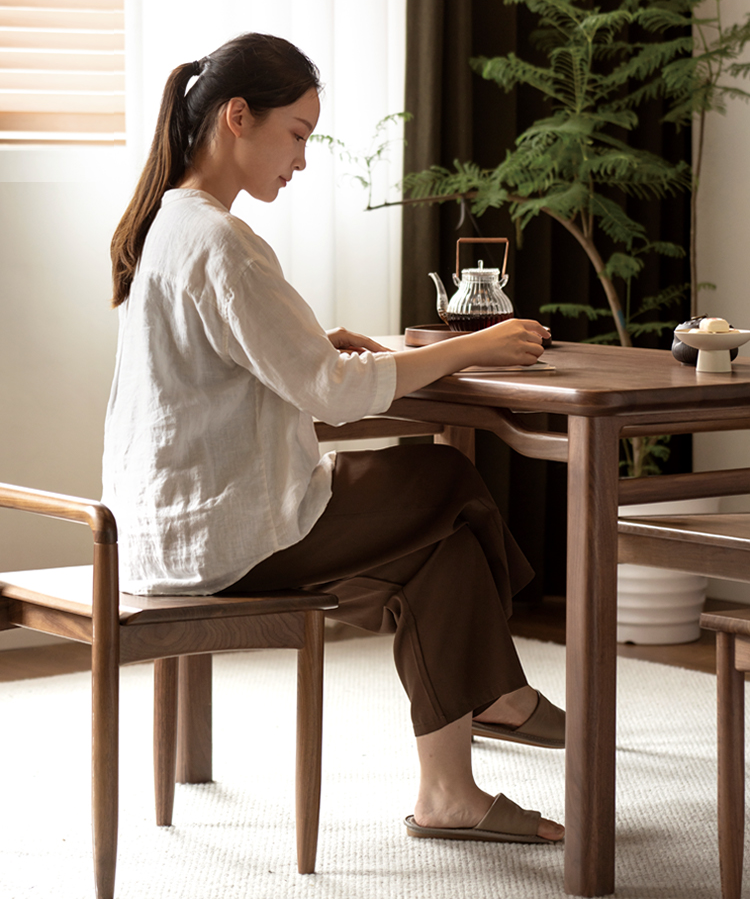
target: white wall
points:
(58, 208)
(723, 237)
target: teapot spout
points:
(442, 296)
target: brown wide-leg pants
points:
(412, 543)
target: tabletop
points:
(593, 380)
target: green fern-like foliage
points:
(572, 163)
(698, 83)
(365, 162)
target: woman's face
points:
(271, 148)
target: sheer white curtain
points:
(344, 261)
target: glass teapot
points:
(479, 301)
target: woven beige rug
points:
(235, 838)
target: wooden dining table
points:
(605, 393)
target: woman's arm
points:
(513, 342)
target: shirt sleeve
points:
(271, 331)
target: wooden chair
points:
(179, 633)
(715, 545)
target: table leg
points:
(591, 656)
(462, 438)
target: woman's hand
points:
(517, 341)
(349, 342)
(512, 342)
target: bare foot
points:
(448, 794)
(446, 810)
(469, 812)
(550, 830)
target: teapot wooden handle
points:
(481, 240)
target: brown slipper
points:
(505, 822)
(544, 727)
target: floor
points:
(547, 622)
(544, 621)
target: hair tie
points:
(197, 67)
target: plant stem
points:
(596, 260)
(711, 79)
(694, 216)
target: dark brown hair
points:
(266, 71)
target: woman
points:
(212, 468)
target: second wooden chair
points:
(716, 545)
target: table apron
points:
(553, 445)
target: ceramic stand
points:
(713, 347)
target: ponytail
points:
(267, 72)
(165, 167)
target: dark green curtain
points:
(458, 115)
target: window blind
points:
(62, 70)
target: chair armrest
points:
(57, 505)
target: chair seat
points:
(70, 590)
(715, 529)
(714, 545)
(59, 601)
(731, 621)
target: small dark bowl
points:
(688, 355)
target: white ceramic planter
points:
(657, 605)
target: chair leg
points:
(309, 740)
(194, 751)
(731, 768)
(105, 719)
(165, 737)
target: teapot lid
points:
(480, 274)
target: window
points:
(62, 71)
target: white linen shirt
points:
(211, 462)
